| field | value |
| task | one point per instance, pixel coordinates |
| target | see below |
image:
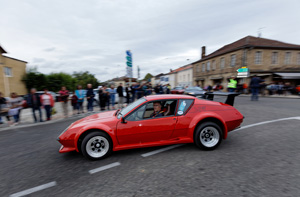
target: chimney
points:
(203, 52)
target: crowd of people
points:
(10, 107)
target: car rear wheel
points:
(208, 136)
(96, 145)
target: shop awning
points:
(261, 74)
(289, 75)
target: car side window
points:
(184, 105)
(167, 106)
(137, 114)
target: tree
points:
(84, 78)
(34, 79)
(148, 77)
(57, 80)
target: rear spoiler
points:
(229, 100)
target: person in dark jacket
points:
(90, 97)
(128, 90)
(158, 112)
(121, 95)
(103, 97)
(34, 102)
(255, 85)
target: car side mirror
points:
(123, 120)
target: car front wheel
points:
(96, 145)
(208, 136)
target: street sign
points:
(129, 64)
(243, 72)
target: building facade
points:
(185, 76)
(12, 71)
(272, 60)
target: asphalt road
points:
(262, 160)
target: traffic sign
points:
(129, 64)
(243, 72)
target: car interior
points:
(144, 112)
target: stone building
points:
(12, 71)
(269, 59)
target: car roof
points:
(167, 96)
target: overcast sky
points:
(93, 35)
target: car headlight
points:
(191, 92)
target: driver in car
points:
(157, 110)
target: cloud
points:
(162, 34)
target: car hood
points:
(100, 118)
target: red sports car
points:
(153, 121)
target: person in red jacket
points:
(47, 102)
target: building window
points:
(232, 61)
(298, 59)
(222, 64)
(7, 72)
(197, 68)
(213, 65)
(258, 57)
(208, 66)
(274, 59)
(203, 67)
(287, 59)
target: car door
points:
(157, 129)
(128, 132)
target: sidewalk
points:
(26, 117)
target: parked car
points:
(184, 119)
(177, 90)
(195, 91)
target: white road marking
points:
(34, 189)
(104, 167)
(266, 122)
(161, 150)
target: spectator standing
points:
(34, 102)
(64, 96)
(3, 108)
(47, 102)
(80, 93)
(121, 95)
(127, 90)
(112, 93)
(90, 97)
(15, 103)
(103, 97)
(133, 92)
(168, 88)
(74, 100)
(254, 85)
(232, 83)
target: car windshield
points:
(130, 107)
(194, 89)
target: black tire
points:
(211, 136)
(96, 145)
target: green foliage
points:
(34, 79)
(148, 77)
(54, 81)
(84, 78)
